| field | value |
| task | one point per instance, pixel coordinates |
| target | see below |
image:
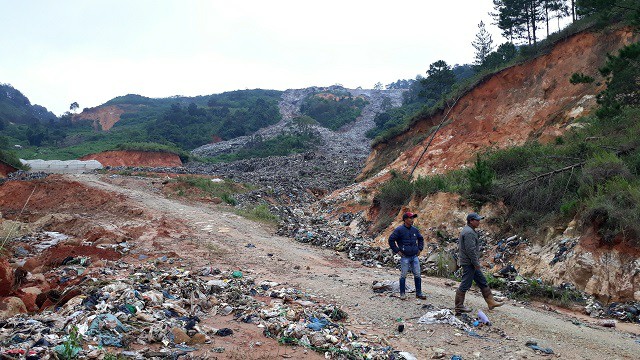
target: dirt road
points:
(207, 234)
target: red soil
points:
(135, 158)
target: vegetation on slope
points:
(333, 109)
(421, 102)
(592, 172)
(178, 123)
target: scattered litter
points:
(444, 316)
(534, 345)
(608, 323)
(146, 305)
(483, 318)
(406, 356)
(224, 332)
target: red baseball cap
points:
(409, 214)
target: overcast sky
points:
(90, 51)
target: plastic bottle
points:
(483, 318)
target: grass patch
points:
(260, 213)
(197, 187)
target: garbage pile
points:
(22, 175)
(507, 249)
(317, 230)
(564, 249)
(163, 310)
(294, 179)
(622, 311)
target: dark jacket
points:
(407, 240)
(469, 247)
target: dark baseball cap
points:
(409, 214)
(474, 216)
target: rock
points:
(6, 278)
(179, 336)
(198, 338)
(105, 241)
(11, 306)
(317, 339)
(438, 353)
(28, 296)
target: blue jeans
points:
(406, 263)
(470, 274)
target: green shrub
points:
(536, 289)
(229, 199)
(427, 185)
(480, 177)
(394, 193)
(633, 163)
(510, 160)
(615, 210)
(603, 167)
(580, 78)
(622, 90)
(10, 158)
(494, 282)
(71, 346)
(569, 207)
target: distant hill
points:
(179, 122)
(16, 108)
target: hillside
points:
(16, 108)
(182, 261)
(532, 102)
(350, 139)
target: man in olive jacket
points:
(407, 242)
(469, 258)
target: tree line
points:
(523, 19)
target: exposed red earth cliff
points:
(533, 100)
(529, 101)
(103, 117)
(135, 158)
(6, 169)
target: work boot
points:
(403, 288)
(460, 308)
(418, 283)
(488, 297)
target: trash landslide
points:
(145, 311)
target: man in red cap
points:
(407, 242)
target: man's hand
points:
(477, 267)
(400, 253)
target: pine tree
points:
(483, 44)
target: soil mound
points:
(135, 158)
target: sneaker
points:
(403, 297)
(421, 296)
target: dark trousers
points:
(470, 274)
